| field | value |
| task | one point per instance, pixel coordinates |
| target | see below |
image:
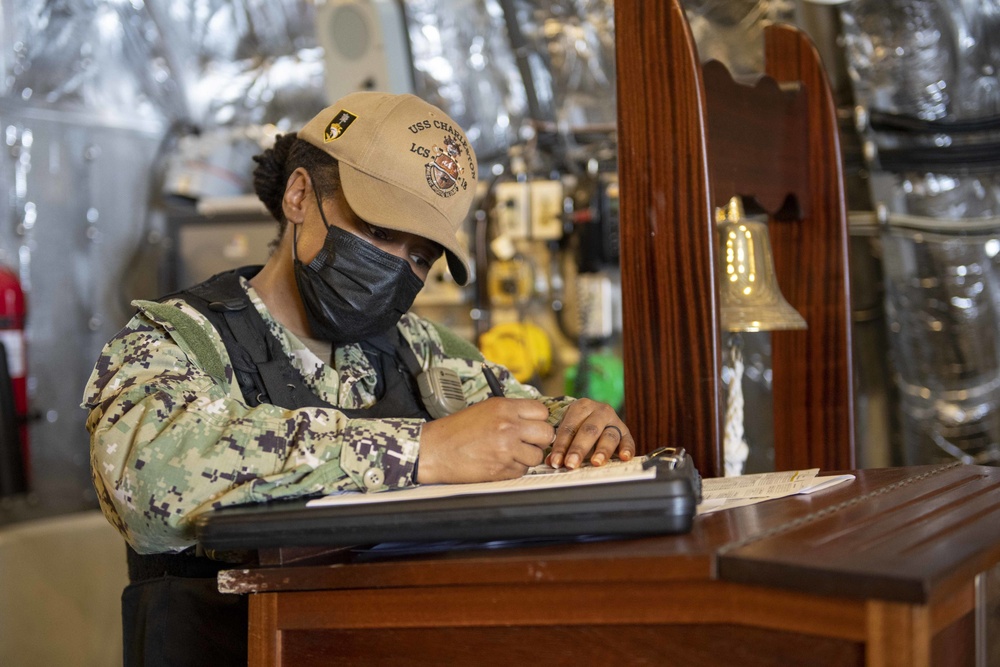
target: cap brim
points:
(387, 205)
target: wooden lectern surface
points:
(880, 571)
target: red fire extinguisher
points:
(13, 393)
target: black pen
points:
(495, 387)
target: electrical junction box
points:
(513, 212)
(546, 210)
(529, 209)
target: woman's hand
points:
(499, 438)
(589, 426)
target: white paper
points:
(722, 493)
(538, 478)
(762, 485)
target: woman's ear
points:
(297, 190)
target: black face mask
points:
(353, 290)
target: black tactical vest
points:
(265, 373)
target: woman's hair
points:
(277, 163)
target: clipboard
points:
(663, 503)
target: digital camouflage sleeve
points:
(171, 437)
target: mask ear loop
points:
(295, 243)
(319, 202)
(322, 215)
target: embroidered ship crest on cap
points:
(338, 125)
(443, 172)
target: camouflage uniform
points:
(171, 436)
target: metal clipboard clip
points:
(674, 463)
(668, 457)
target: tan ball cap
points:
(404, 165)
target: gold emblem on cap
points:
(444, 173)
(341, 121)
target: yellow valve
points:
(523, 348)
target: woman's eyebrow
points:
(436, 248)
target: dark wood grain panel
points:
(670, 335)
(691, 646)
(756, 142)
(813, 385)
(570, 604)
(264, 639)
(917, 541)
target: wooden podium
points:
(881, 571)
